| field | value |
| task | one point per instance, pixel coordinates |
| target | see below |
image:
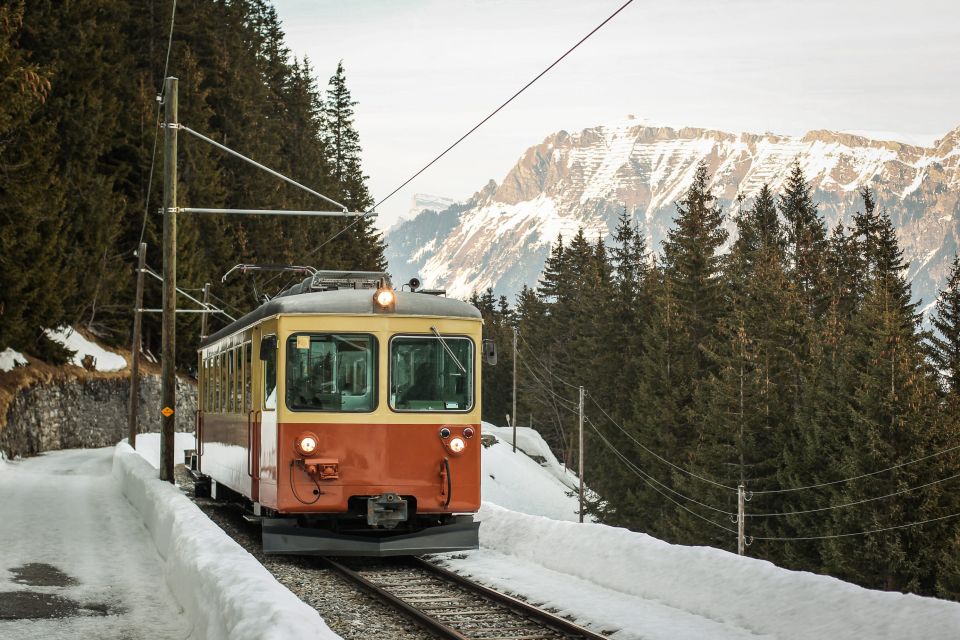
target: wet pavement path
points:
(75, 558)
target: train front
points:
(378, 427)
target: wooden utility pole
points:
(581, 454)
(741, 538)
(168, 387)
(514, 414)
(203, 316)
(132, 426)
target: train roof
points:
(348, 302)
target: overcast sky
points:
(426, 71)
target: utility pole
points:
(135, 349)
(168, 387)
(203, 317)
(581, 454)
(514, 414)
(741, 539)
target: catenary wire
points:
(474, 128)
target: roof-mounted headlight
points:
(384, 299)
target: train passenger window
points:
(424, 376)
(231, 380)
(247, 373)
(331, 372)
(269, 369)
(223, 383)
(215, 387)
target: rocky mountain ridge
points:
(501, 236)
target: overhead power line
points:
(473, 129)
(859, 533)
(657, 455)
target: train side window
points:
(232, 386)
(247, 373)
(222, 400)
(270, 380)
(205, 384)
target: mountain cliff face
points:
(501, 236)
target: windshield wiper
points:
(449, 351)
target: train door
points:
(267, 410)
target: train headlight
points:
(384, 297)
(457, 445)
(306, 444)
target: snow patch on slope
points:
(9, 359)
(103, 360)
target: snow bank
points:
(104, 360)
(148, 446)
(222, 588)
(10, 359)
(518, 482)
(717, 585)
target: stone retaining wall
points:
(66, 414)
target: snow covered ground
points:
(104, 360)
(637, 586)
(226, 592)
(10, 359)
(72, 546)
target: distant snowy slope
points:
(501, 236)
(72, 339)
(636, 586)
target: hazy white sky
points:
(425, 71)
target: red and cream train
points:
(347, 415)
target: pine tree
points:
(343, 144)
(806, 240)
(945, 347)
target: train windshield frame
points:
(331, 372)
(425, 379)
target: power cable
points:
(861, 476)
(474, 128)
(637, 470)
(679, 504)
(545, 368)
(859, 533)
(655, 454)
(851, 504)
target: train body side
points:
(248, 443)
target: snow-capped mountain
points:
(423, 202)
(501, 236)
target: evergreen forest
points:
(789, 359)
(81, 164)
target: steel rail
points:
(547, 619)
(549, 622)
(421, 618)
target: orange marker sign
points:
(167, 411)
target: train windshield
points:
(331, 372)
(430, 374)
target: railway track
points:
(451, 606)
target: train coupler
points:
(386, 510)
